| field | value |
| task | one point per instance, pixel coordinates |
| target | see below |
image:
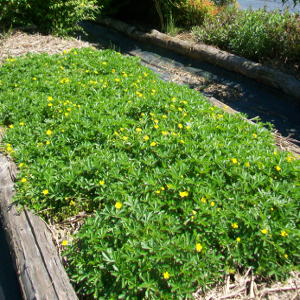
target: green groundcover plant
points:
(181, 192)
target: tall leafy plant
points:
(59, 17)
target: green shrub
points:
(59, 17)
(182, 13)
(181, 191)
(253, 34)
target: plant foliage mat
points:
(181, 191)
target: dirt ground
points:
(238, 286)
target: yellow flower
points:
(182, 141)
(72, 203)
(95, 72)
(173, 99)
(138, 129)
(226, 107)
(169, 185)
(86, 71)
(156, 126)
(183, 194)
(203, 200)
(11, 126)
(50, 104)
(234, 160)
(64, 243)
(238, 239)
(116, 133)
(118, 205)
(151, 114)
(212, 203)
(125, 138)
(117, 79)
(23, 180)
(153, 144)
(235, 226)
(45, 192)
(188, 127)
(289, 159)
(275, 153)
(101, 182)
(264, 231)
(278, 168)
(66, 114)
(286, 256)
(162, 188)
(194, 212)
(166, 275)
(283, 233)
(255, 135)
(158, 192)
(212, 108)
(164, 116)
(48, 143)
(199, 247)
(156, 121)
(180, 126)
(272, 208)
(164, 133)
(21, 123)
(48, 132)
(180, 109)
(146, 137)
(21, 165)
(247, 165)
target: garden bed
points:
(137, 133)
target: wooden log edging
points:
(37, 264)
(285, 83)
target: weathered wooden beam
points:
(283, 82)
(36, 261)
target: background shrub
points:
(183, 13)
(253, 34)
(59, 17)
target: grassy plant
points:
(182, 192)
(171, 29)
(253, 34)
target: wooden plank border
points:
(285, 83)
(39, 269)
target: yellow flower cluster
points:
(199, 247)
(183, 194)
